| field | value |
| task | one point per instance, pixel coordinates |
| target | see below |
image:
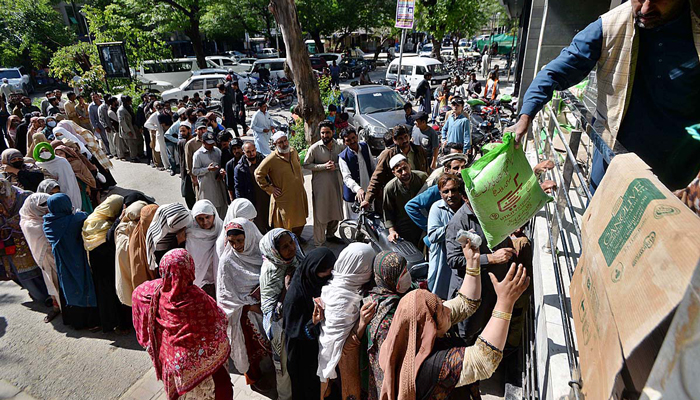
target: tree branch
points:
(175, 5)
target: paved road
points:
(51, 361)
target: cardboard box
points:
(640, 248)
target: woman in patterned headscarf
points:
(17, 260)
(24, 176)
(184, 332)
(282, 255)
(393, 281)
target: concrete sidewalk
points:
(9, 391)
(149, 388)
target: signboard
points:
(404, 14)
(113, 59)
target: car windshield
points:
(437, 69)
(380, 102)
(10, 74)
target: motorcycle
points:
(369, 228)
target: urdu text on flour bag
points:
(503, 190)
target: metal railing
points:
(571, 147)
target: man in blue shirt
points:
(457, 128)
(663, 86)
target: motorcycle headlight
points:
(377, 131)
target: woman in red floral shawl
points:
(184, 332)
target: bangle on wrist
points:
(501, 315)
(473, 271)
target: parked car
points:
(352, 66)
(243, 79)
(373, 110)
(413, 69)
(268, 52)
(275, 65)
(426, 50)
(196, 84)
(247, 60)
(220, 62)
(330, 57)
(235, 54)
(318, 63)
(17, 78)
(447, 54)
(162, 75)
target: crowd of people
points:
(225, 275)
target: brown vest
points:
(616, 66)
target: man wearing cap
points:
(194, 144)
(186, 188)
(425, 136)
(457, 128)
(246, 187)
(356, 166)
(424, 93)
(234, 148)
(415, 156)
(322, 161)
(405, 186)
(207, 168)
(281, 177)
(261, 124)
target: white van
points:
(413, 69)
(274, 65)
(174, 71)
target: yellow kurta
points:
(291, 208)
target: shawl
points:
(11, 200)
(79, 168)
(274, 269)
(62, 134)
(88, 139)
(388, 267)
(74, 146)
(56, 143)
(135, 196)
(47, 185)
(201, 244)
(305, 286)
(9, 154)
(238, 276)
(138, 257)
(60, 168)
(129, 220)
(239, 208)
(342, 305)
(409, 342)
(31, 222)
(36, 139)
(62, 229)
(169, 219)
(100, 221)
(181, 327)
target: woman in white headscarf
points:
(237, 293)
(62, 133)
(128, 222)
(239, 208)
(341, 299)
(202, 233)
(32, 224)
(59, 167)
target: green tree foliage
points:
(80, 60)
(461, 18)
(30, 31)
(218, 19)
(122, 20)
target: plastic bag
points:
(503, 191)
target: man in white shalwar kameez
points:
(261, 124)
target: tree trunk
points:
(196, 37)
(310, 107)
(437, 47)
(316, 36)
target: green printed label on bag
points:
(627, 216)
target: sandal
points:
(52, 314)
